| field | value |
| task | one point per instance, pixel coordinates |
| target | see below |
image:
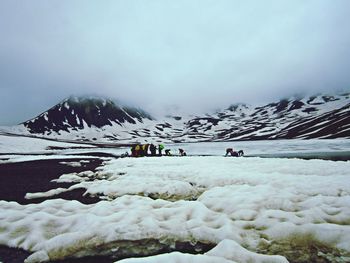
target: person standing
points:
(133, 151)
(145, 149)
(138, 150)
(160, 149)
(153, 149)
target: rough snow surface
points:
(176, 257)
(59, 228)
(237, 203)
(227, 251)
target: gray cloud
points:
(155, 54)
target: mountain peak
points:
(78, 112)
(238, 107)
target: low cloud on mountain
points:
(199, 55)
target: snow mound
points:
(177, 257)
(60, 229)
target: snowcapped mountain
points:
(76, 113)
(98, 119)
(321, 116)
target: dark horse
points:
(234, 153)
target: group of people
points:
(230, 151)
(181, 152)
(141, 150)
(147, 149)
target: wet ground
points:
(331, 156)
(17, 179)
(15, 255)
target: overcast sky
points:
(197, 54)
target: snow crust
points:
(227, 251)
(58, 228)
(236, 203)
(176, 257)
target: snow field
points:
(236, 203)
(17, 144)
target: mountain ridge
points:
(96, 118)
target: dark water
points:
(17, 179)
(333, 156)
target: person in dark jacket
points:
(234, 153)
(182, 152)
(153, 149)
(229, 151)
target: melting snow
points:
(227, 251)
(231, 202)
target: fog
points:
(185, 55)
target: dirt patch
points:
(126, 249)
(134, 248)
(304, 248)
